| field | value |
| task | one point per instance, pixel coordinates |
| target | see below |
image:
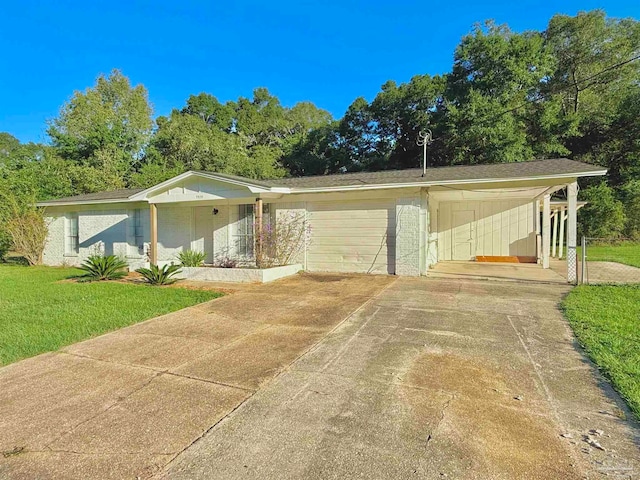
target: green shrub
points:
(192, 258)
(160, 276)
(99, 267)
(5, 244)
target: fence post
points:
(583, 273)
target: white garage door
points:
(353, 236)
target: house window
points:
(71, 237)
(137, 231)
(244, 231)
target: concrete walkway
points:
(432, 379)
(123, 405)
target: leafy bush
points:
(26, 226)
(5, 244)
(192, 258)
(226, 262)
(283, 240)
(160, 276)
(99, 267)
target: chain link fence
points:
(609, 260)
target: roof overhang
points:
(265, 191)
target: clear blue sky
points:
(326, 52)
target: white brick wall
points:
(110, 227)
(408, 251)
(100, 229)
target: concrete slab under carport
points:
(434, 378)
(523, 272)
(124, 404)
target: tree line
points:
(572, 90)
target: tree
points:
(105, 127)
(603, 216)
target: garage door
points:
(355, 236)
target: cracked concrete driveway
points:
(123, 405)
(426, 378)
(432, 379)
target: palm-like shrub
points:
(99, 267)
(192, 258)
(160, 276)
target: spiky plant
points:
(192, 258)
(155, 275)
(99, 267)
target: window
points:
(135, 233)
(244, 229)
(71, 237)
(138, 235)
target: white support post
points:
(572, 232)
(536, 213)
(561, 239)
(546, 230)
(554, 240)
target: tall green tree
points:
(106, 127)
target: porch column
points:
(554, 241)
(258, 231)
(546, 230)
(153, 249)
(572, 232)
(563, 218)
(536, 212)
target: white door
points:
(202, 229)
(463, 237)
(352, 236)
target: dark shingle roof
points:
(121, 194)
(536, 168)
(463, 173)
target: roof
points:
(536, 169)
(113, 195)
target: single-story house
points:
(394, 222)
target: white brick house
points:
(394, 222)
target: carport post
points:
(546, 230)
(572, 232)
(153, 248)
(554, 241)
(563, 218)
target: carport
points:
(505, 222)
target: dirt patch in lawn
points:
(487, 419)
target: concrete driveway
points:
(426, 378)
(431, 379)
(123, 405)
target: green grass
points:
(38, 313)
(627, 253)
(606, 320)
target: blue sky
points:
(326, 52)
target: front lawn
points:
(627, 253)
(606, 320)
(39, 312)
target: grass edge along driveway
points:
(606, 321)
(40, 313)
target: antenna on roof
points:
(424, 138)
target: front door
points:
(463, 225)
